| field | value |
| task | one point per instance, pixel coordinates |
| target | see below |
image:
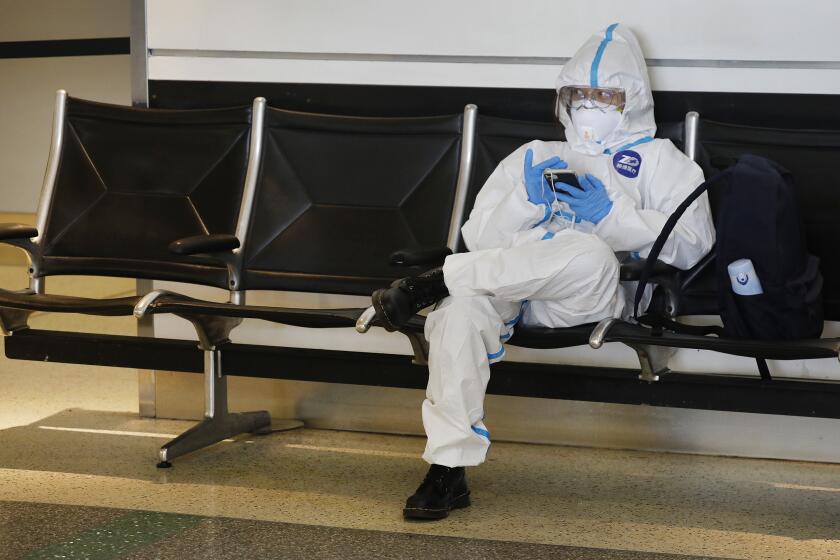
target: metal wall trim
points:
(146, 378)
(139, 55)
(514, 60)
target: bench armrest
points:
(19, 235)
(413, 257)
(16, 232)
(690, 275)
(197, 244)
(631, 270)
(667, 277)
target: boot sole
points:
(376, 299)
(461, 501)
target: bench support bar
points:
(702, 391)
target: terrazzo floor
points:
(141, 535)
(78, 480)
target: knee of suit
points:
(474, 313)
(596, 259)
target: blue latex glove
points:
(539, 191)
(591, 202)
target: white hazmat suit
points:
(528, 264)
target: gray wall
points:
(27, 85)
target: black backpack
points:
(758, 219)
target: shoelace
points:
(424, 290)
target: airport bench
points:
(228, 198)
(350, 191)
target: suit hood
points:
(612, 58)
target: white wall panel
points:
(682, 29)
(717, 45)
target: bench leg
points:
(218, 424)
(12, 320)
(653, 360)
(419, 346)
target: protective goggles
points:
(575, 97)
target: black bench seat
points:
(158, 302)
(544, 337)
(30, 301)
(634, 334)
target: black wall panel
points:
(755, 109)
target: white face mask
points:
(594, 125)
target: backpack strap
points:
(665, 233)
(763, 370)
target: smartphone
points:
(561, 179)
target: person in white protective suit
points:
(543, 257)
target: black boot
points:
(443, 490)
(397, 304)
